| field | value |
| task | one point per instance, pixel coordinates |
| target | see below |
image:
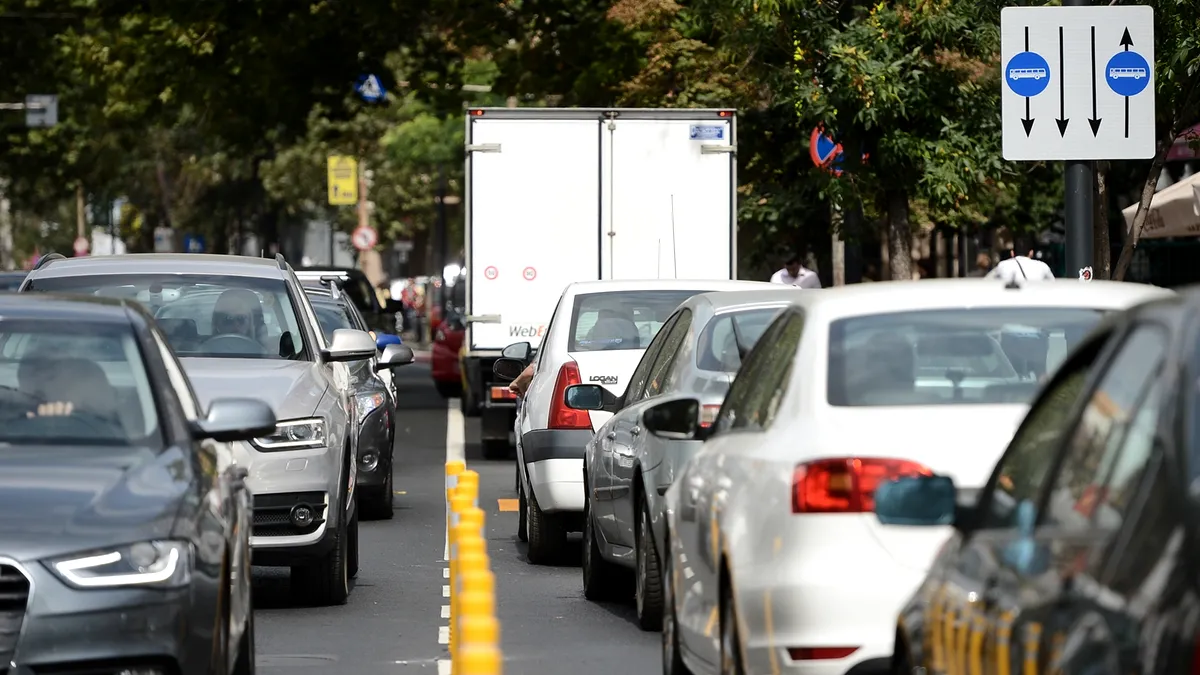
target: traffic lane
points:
(390, 624)
(545, 622)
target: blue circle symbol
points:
(1127, 73)
(1027, 74)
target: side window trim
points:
(766, 342)
(683, 322)
(649, 358)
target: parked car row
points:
(808, 481)
(171, 420)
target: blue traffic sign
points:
(1127, 73)
(193, 243)
(706, 132)
(370, 89)
(1027, 74)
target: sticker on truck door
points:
(707, 132)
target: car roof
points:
(164, 263)
(57, 306)
(897, 296)
(616, 286)
(722, 301)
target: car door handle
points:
(635, 431)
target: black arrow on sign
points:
(1094, 121)
(1028, 121)
(1062, 85)
(1126, 42)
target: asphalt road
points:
(392, 623)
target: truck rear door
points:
(533, 220)
(667, 203)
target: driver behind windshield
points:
(238, 312)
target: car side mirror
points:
(395, 356)
(349, 345)
(235, 419)
(518, 351)
(507, 369)
(926, 501)
(590, 397)
(677, 420)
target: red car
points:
(447, 341)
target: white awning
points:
(1174, 212)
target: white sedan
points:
(774, 560)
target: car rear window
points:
(620, 320)
(951, 357)
(730, 336)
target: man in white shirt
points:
(1021, 267)
(795, 274)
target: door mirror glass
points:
(675, 420)
(584, 397)
(507, 369)
(916, 501)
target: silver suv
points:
(244, 327)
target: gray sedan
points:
(695, 354)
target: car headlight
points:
(366, 404)
(157, 564)
(294, 435)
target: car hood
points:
(292, 388)
(60, 500)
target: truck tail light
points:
(846, 484)
(562, 417)
(708, 415)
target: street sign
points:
(1078, 82)
(529, 273)
(364, 238)
(41, 110)
(163, 239)
(343, 180)
(81, 246)
(193, 243)
(491, 273)
(370, 89)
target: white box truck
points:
(559, 195)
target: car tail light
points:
(846, 484)
(820, 653)
(503, 394)
(562, 417)
(708, 415)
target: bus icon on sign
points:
(1026, 73)
(1123, 73)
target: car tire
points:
(602, 580)
(327, 583)
(648, 589)
(244, 665)
(378, 503)
(731, 650)
(496, 448)
(672, 658)
(448, 390)
(547, 536)
(352, 547)
(522, 520)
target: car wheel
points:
(649, 586)
(327, 582)
(448, 390)
(547, 536)
(601, 578)
(244, 665)
(496, 448)
(731, 651)
(522, 520)
(671, 658)
(352, 547)
(378, 503)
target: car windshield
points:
(74, 383)
(620, 320)
(332, 317)
(730, 336)
(205, 315)
(951, 357)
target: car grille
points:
(273, 513)
(14, 595)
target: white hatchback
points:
(597, 335)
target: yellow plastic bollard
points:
(480, 661)
(469, 564)
(468, 481)
(478, 603)
(453, 469)
(479, 630)
(475, 519)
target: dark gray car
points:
(244, 327)
(125, 544)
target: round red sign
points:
(491, 273)
(530, 274)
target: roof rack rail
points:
(281, 261)
(47, 259)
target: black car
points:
(379, 318)
(1080, 555)
(373, 403)
(125, 544)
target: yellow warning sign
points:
(343, 180)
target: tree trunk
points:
(1101, 246)
(838, 256)
(1143, 210)
(7, 263)
(899, 236)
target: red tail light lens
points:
(562, 417)
(708, 415)
(847, 484)
(820, 653)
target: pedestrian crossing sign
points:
(343, 180)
